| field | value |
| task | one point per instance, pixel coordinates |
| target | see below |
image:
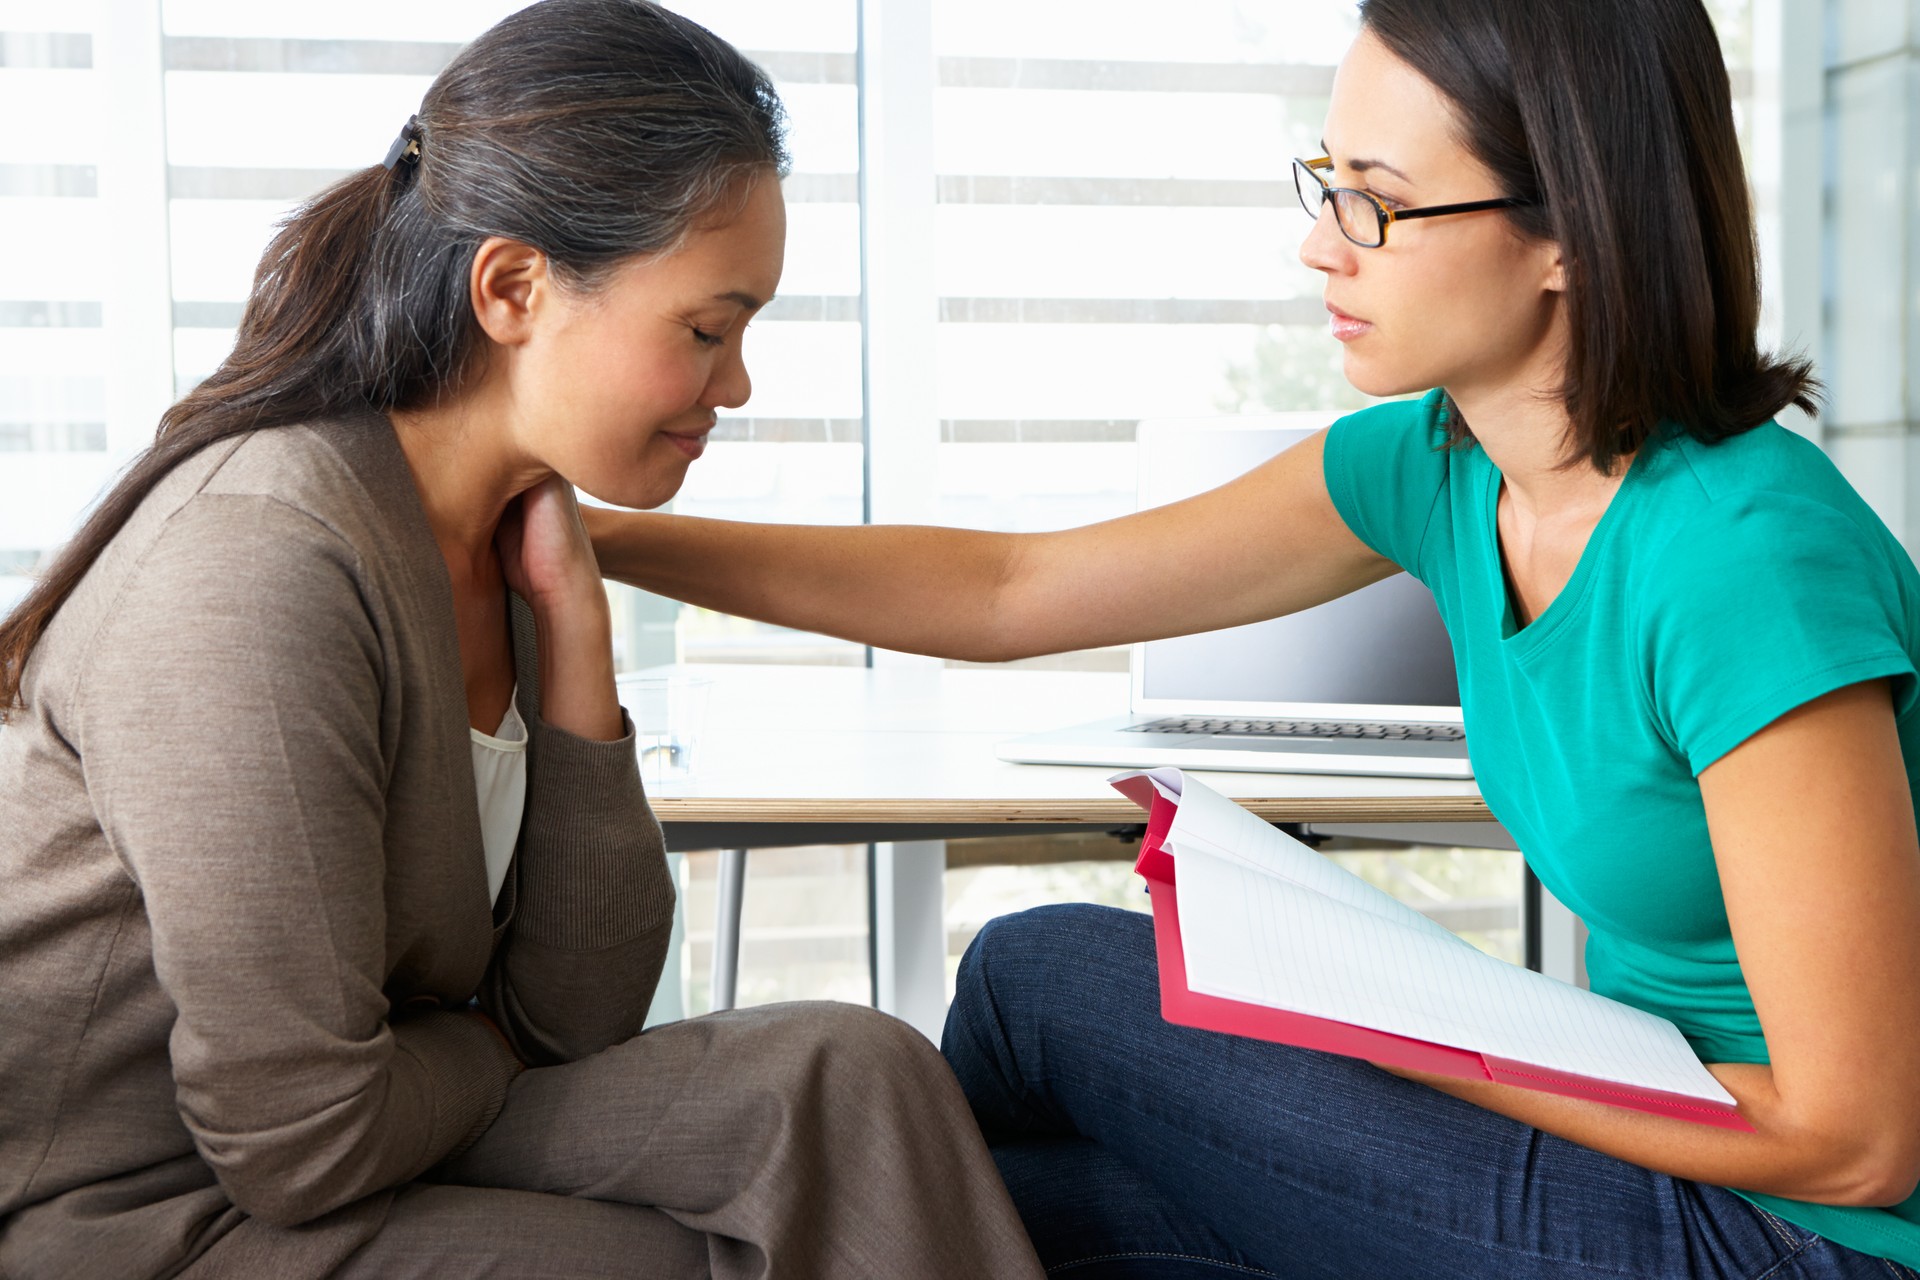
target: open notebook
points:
(1258, 935)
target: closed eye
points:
(709, 339)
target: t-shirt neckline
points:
(1568, 603)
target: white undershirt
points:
(500, 782)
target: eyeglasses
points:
(1361, 216)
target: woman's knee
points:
(827, 1033)
(1034, 957)
(1027, 976)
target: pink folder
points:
(1187, 1008)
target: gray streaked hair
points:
(592, 130)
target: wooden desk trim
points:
(1115, 812)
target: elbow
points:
(268, 1206)
(1881, 1182)
(1009, 634)
(277, 1197)
(290, 1164)
(993, 650)
(1867, 1171)
(1887, 1168)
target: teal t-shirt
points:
(1725, 585)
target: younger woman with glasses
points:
(1687, 658)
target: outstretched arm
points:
(1266, 544)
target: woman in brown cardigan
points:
(256, 1016)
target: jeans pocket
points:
(1792, 1241)
(1795, 1241)
(1792, 1238)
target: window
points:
(68, 317)
(1113, 236)
(1118, 239)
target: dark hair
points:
(1616, 117)
(592, 130)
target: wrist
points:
(609, 533)
(580, 602)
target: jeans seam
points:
(1799, 1249)
(1177, 1257)
(1779, 1228)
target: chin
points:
(1372, 379)
(635, 493)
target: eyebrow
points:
(746, 300)
(1362, 166)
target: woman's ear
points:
(1555, 278)
(509, 285)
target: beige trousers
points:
(795, 1140)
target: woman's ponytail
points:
(276, 373)
(592, 130)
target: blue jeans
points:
(1135, 1148)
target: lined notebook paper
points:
(1265, 920)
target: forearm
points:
(1786, 1155)
(594, 909)
(913, 588)
(594, 901)
(575, 643)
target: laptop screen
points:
(1383, 644)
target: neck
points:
(466, 471)
(1525, 434)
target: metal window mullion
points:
(899, 307)
(137, 306)
(1787, 108)
(899, 311)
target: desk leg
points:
(1563, 941)
(729, 899)
(910, 932)
(670, 997)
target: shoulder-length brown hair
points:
(1616, 119)
(592, 130)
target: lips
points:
(691, 443)
(1347, 327)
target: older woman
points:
(330, 905)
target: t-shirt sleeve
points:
(1763, 603)
(1386, 468)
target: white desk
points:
(902, 757)
(792, 746)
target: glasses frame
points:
(1383, 216)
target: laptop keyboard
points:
(1374, 729)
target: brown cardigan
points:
(242, 895)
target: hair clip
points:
(405, 147)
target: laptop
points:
(1364, 684)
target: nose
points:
(1326, 248)
(729, 387)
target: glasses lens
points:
(1359, 218)
(1307, 185)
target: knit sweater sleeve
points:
(593, 902)
(228, 723)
